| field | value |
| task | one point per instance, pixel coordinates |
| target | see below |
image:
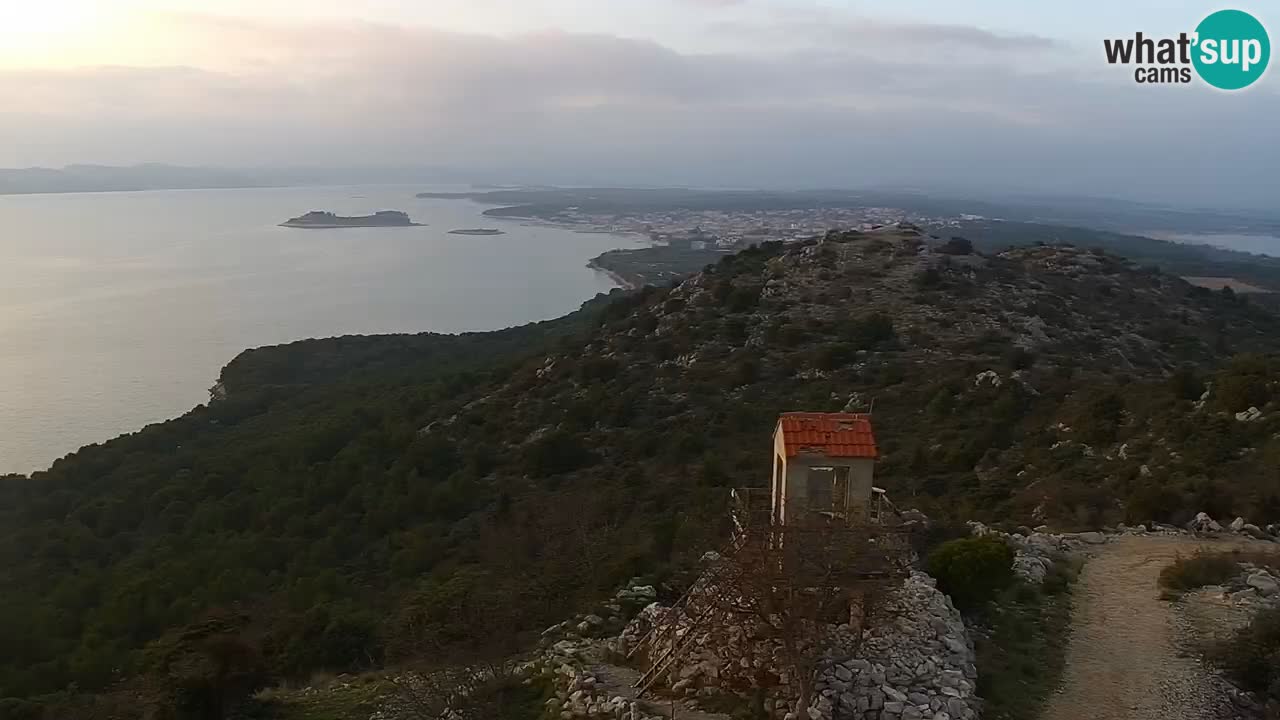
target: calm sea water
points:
(119, 309)
(1260, 244)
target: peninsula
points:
(477, 231)
(317, 219)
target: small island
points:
(477, 231)
(318, 220)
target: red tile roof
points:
(830, 434)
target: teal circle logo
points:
(1231, 49)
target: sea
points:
(1257, 244)
(119, 309)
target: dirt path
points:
(1124, 660)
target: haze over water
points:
(119, 309)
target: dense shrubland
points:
(348, 498)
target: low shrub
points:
(19, 709)
(956, 246)
(1199, 570)
(1252, 656)
(972, 570)
(1020, 645)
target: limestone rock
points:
(990, 378)
(1204, 523)
(1092, 538)
(1253, 414)
(1264, 583)
(1255, 532)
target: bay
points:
(119, 309)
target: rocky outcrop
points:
(1036, 551)
(1253, 414)
(915, 661)
(1202, 523)
(1253, 588)
(571, 650)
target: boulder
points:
(1237, 525)
(1255, 532)
(893, 694)
(1264, 583)
(914, 517)
(1204, 523)
(990, 378)
(1248, 595)
(1253, 414)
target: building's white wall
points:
(779, 468)
(796, 487)
(861, 480)
(797, 492)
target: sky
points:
(992, 96)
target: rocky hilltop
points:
(360, 499)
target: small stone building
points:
(823, 470)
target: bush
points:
(556, 453)
(972, 570)
(1021, 656)
(1199, 570)
(1152, 503)
(598, 368)
(1252, 657)
(869, 331)
(956, 246)
(743, 299)
(1186, 383)
(1019, 359)
(928, 278)
(19, 709)
(834, 355)
(745, 372)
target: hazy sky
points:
(1002, 94)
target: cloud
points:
(715, 3)
(809, 25)
(562, 106)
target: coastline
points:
(272, 302)
(623, 282)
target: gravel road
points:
(1127, 659)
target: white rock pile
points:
(1255, 587)
(1035, 551)
(915, 662)
(570, 648)
(1203, 523)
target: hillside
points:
(356, 500)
